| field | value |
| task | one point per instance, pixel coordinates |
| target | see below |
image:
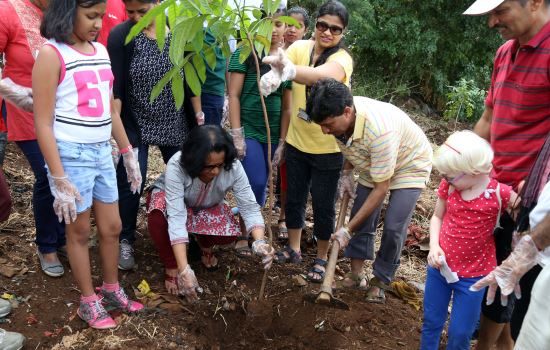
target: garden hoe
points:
(324, 296)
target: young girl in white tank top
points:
(72, 87)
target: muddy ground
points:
(46, 307)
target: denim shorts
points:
(90, 168)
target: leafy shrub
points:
(465, 102)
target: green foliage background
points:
(404, 47)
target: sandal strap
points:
(281, 220)
(375, 281)
(242, 238)
(317, 270)
(294, 257)
(320, 262)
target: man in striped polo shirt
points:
(516, 120)
(390, 153)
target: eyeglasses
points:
(453, 179)
(323, 26)
(213, 166)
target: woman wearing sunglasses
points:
(189, 198)
(313, 159)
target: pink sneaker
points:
(119, 300)
(95, 315)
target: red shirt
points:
(20, 41)
(520, 98)
(466, 234)
(115, 13)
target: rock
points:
(299, 281)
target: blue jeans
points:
(128, 202)
(255, 166)
(50, 233)
(212, 107)
(464, 315)
(90, 168)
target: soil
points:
(46, 311)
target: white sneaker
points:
(11, 340)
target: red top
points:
(20, 41)
(520, 98)
(115, 13)
(466, 235)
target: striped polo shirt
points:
(520, 99)
(387, 144)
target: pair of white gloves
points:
(282, 69)
(66, 194)
(189, 285)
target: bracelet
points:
(125, 149)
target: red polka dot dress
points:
(466, 234)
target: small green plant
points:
(465, 101)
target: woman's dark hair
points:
(333, 8)
(200, 142)
(297, 10)
(58, 21)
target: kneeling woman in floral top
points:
(189, 197)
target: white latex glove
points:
(15, 94)
(199, 116)
(131, 165)
(507, 275)
(433, 256)
(278, 156)
(115, 153)
(188, 284)
(282, 65)
(66, 194)
(238, 141)
(270, 82)
(346, 184)
(342, 236)
(265, 251)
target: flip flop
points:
(352, 281)
(378, 298)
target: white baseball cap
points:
(482, 7)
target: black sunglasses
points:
(323, 26)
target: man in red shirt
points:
(516, 119)
(115, 13)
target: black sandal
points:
(315, 270)
(293, 257)
(243, 252)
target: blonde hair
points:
(464, 152)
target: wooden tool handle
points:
(331, 266)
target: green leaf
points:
(180, 38)
(192, 78)
(206, 8)
(193, 5)
(147, 19)
(198, 39)
(172, 15)
(245, 52)
(160, 30)
(200, 67)
(263, 40)
(257, 13)
(267, 6)
(157, 89)
(177, 90)
(290, 21)
(210, 57)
